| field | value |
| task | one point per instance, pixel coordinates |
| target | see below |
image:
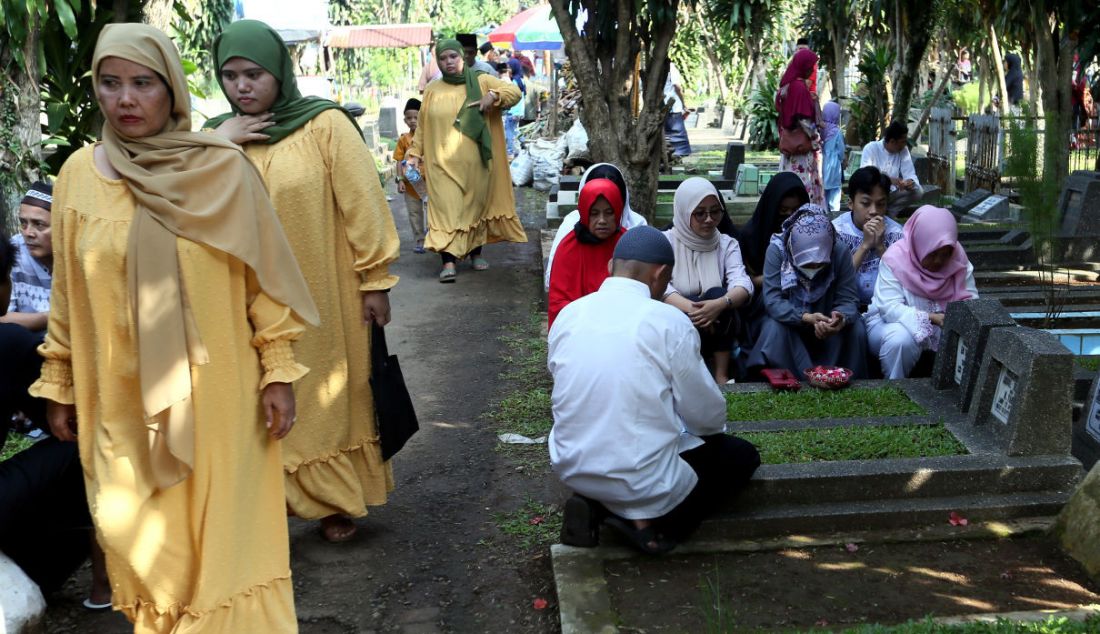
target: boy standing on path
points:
(414, 204)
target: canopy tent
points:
(379, 36)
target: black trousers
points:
(724, 465)
(20, 368)
(44, 523)
(449, 258)
(720, 338)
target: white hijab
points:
(698, 264)
(630, 219)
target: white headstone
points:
(21, 603)
(1092, 423)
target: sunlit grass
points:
(854, 443)
(815, 403)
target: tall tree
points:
(20, 109)
(916, 22)
(603, 59)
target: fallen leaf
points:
(850, 547)
(536, 520)
(822, 623)
(540, 604)
(1007, 575)
(957, 520)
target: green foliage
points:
(815, 403)
(871, 98)
(1092, 364)
(197, 24)
(854, 443)
(14, 444)
(535, 525)
(966, 98)
(763, 115)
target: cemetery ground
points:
(464, 544)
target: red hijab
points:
(798, 101)
(580, 267)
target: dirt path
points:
(433, 559)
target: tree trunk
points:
(983, 72)
(603, 70)
(20, 145)
(840, 63)
(1033, 84)
(931, 104)
(999, 63)
(712, 57)
(1054, 53)
(919, 19)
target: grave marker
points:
(1086, 432)
(963, 341)
(735, 156)
(965, 203)
(992, 208)
(1079, 205)
(1023, 399)
(387, 122)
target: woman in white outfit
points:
(918, 276)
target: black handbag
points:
(393, 407)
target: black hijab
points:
(754, 237)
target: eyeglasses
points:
(701, 215)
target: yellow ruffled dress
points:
(210, 554)
(326, 191)
(469, 204)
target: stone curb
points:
(584, 603)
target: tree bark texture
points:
(604, 72)
(1054, 53)
(20, 130)
(999, 64)
(919, 20)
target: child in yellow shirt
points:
(413, 203)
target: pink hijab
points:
(928, 229)
(798, 101)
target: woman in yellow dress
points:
(175, 299)
(459, 143)
(326, 192)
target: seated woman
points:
(782, 197)
(917, 278)
(811, 300)
(584, 253)
(866, 229)
(709, 282)
(631, 218)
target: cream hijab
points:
(698, 263)
(199, 187)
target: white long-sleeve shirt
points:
(898, 165)
(893, 303)
(630, 393)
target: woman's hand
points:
(401, 186)
(488, 100)
(830, 326)
(706, 312)
(62, 420)
(936, 319)
(278, 401)
(376, 307)
(811, 319)
(245, 128)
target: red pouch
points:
(781, 379)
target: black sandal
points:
(643, 539)
(580, 523)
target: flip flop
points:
(481, 264)
(447, 276)
(96, 607)
(331, 538)
(642, 538)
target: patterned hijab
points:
(203, 188)
(808, 238)
(470, 121)
(259, 43)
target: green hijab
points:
(259, 43)
(470, 121)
